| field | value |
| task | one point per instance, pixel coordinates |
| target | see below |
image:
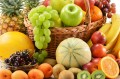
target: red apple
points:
(98, 37)
(46, 2)
(81, 3)
(98, 51)
(89, 67)
(95, 61)
(118, 61)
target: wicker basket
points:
(25, 68)
(83, 31)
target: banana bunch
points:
(112, 33)
(116, 48)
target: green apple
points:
(71, 15)
(59, 4)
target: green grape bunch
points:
(40, 56)
(42, 19)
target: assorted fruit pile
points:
(99, 58)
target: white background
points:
(117, 2)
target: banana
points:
(104, 29)
(116, 48)
(115, 28)
(110, 45)
(113, 33)
(89, 43)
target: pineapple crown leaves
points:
(31, 3)
(11, 7)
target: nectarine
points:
(35, 74)
(19, 74)
(5, 74)
(46, 69)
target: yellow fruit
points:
(10, 42)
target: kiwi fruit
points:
(83, 75)
(66, 74)
(98, 74)
(57, 69)
(50, 61)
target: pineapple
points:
(11, 16)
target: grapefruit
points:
(10, 42)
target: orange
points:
(10, 42)
(109, 66)
(96, 14)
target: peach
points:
(46, 69)
(19, 74)
(5, 74)
(35, 74)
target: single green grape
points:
(40, 8)
(38, 23)
(36, 37)
(41, 32)
(41, 18)
(54, 15)
(36, 15)
(46, 24)
(45, 45)
(35, 55)
(31, 13)
(36, 30)
(40, 58)
(47, 39)
(52, 23)
(39, 44)
(42, 39)
(47, 32)
(47, 15)
(48, 8)
(45, 53)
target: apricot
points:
(35, 74)
(19, 74)
(46, 69)
(5, 74)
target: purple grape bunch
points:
(20, 58)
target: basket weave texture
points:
(58, 34)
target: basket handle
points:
(87, 16)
